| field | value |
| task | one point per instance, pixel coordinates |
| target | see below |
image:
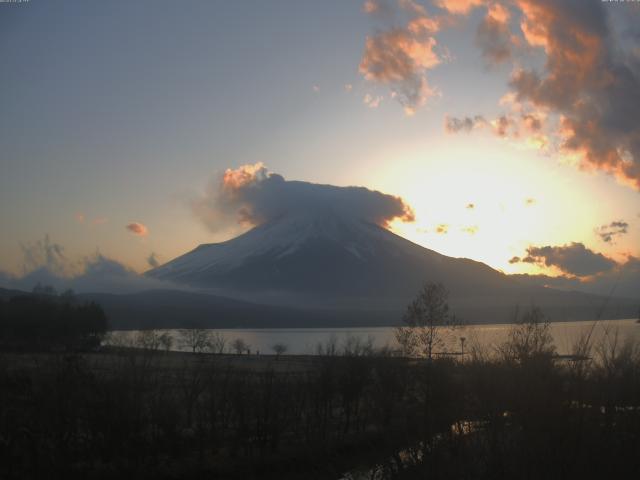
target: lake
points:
(304, 341)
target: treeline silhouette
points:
(45, 321)
(514, 412)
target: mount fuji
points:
(333, 261)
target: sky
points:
(509, 128)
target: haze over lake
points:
(304, 341)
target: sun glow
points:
(477, 201)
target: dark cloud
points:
(252, 195)
(608, 232)
(573, 259)
(561, 282)
(464, 124)
(621, 281)
(493, 36)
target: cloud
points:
(400, 56)
(44, 253)
(251, 195)
(459, 6)
(493, 36)
(470, 206)
(588, 86)
(137, 229)
(464, 124)
(471, 229)
(561, 282)
(529, 201)
(614, 229)
(44, 262)
(371, 101)
(152, 260)
(573, 259)
(623, 280)
(442, 229)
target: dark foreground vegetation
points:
(152, 414)
(46, 321)
(517, 411)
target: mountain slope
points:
(327, 255)
(335, 263)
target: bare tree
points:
(329, 348)
(239, 345)
(195, 339)
(529, 338)
(166, 341)
(355, 346)
(279, 348)
(423, 319)
(148, 340)
(217, 343)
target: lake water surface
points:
(303, 341)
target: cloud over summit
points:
(252, 195)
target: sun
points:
(476, 200)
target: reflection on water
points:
(304, 341)
(407, 457)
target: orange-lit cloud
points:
(252, 195)
(442, 229)
(400, 56)
(459, 6)
(583, 101)
(371, 6)
(137, 228)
